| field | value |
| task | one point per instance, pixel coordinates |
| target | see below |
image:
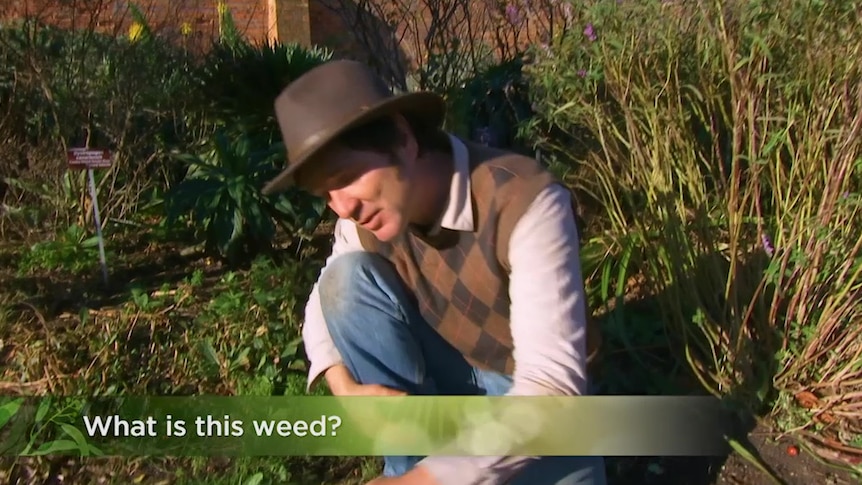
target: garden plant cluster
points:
(715, 149)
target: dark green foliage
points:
(222, 192)
(494, 102)
(239, 82)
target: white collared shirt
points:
(548, 310)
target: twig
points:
(45, 382)
(48, 337)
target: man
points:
(454, 269)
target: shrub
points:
(722, 140)
(240, 81)
(222, 192)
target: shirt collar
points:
(458, 213)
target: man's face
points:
(372, 188)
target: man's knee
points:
(348, 279)
(346, 272)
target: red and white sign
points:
(83, 158)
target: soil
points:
(789, 467)
(786, 460)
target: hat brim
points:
(421, 104)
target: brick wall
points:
(352, 32)
(397, 36)
(166, 16)
(393, 35)
(250, 17)
(290, 21)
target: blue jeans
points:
(384, 340)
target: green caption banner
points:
(366, 426)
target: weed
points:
(71, 251)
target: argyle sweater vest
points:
(460, 279)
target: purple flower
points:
(582, 72)
(513, 14)
(767, 245)
(590, 33)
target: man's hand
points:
(342, 384)
(417, 476)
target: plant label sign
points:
(88, 159)
(84, 158)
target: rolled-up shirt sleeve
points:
(319, 346)
(548, 321)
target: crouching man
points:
(454, 271)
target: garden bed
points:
(160, 268)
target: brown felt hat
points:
(326, 101)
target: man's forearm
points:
(319, 346)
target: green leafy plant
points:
(250, 325)
(237, 86)
(45, 427)
(72, 250)
(222, 191)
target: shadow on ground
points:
(637, 360)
